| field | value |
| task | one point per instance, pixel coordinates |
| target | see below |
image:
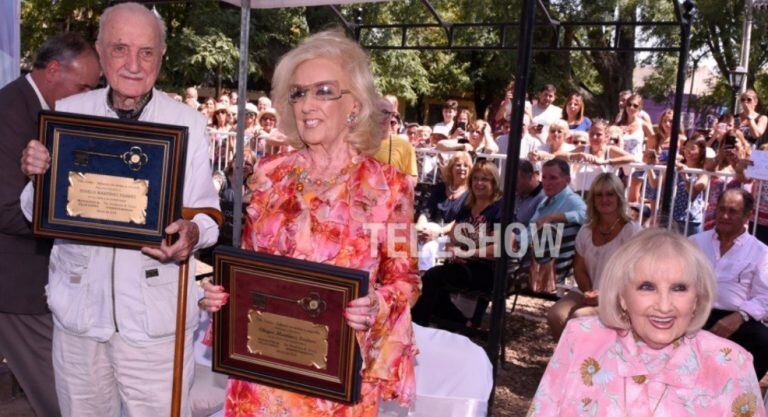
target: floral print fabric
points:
(596, 371)
(340, 222)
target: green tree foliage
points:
(203, 44)
(41, 19)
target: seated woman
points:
(645, 354)
(471, 266)
(608, 227)
(446, 199)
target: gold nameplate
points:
(107, 197)
(287, 339)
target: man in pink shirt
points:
(740, 262)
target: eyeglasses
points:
(746, 99)
(323, 91)
(635, 105)
(579, 142)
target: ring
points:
(200, 302)
(368, 321)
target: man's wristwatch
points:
(744, 316)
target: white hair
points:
(133, 8)
(265, 100)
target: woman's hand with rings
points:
(361, 313)
(214, 297)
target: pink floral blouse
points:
(288, 217)
(596, 371)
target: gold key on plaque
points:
(135, 158)
(312, 303)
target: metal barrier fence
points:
(221, 148)
(650, 196)
(221, 154)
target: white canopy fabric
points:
(274, 4)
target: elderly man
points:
(65, 64)
(114, 309)
(740, 262)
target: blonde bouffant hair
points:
(365, 131)
(649, 247)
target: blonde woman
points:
(645, 353)
(751, 123)
(314, 204)
(608, 227)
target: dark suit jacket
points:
(23, 257)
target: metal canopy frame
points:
(684, 13)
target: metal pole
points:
(242, 93)
(524, 47)
(695, 66)
(669, 175)
(746, 39)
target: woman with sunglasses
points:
(636, 130)
(751, 123)
(319, 204)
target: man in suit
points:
(65, 64)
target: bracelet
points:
(744, 316)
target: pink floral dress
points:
(341, 226)
(597, 371)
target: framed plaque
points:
(111, 181)
(284, 324)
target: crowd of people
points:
(91, 333)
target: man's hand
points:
(35, 159)
(728, 325)
(179, 251)
(543, 220)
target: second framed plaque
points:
(284, 324)
(111, 182)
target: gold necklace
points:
(302, 177)
(656, 407)
(607, 233)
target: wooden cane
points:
(181, 313)
(178, 354)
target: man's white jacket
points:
(94, 291)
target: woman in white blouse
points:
(608, 226)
